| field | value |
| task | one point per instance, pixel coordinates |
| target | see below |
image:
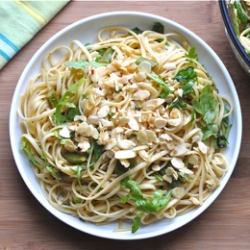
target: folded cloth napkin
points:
(20, 21)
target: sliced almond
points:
(133, 124)
(177, 163)
(141, 95)
(202, 147)
(152, 104)
(144, 155)
(194, 200)
(160, 122)
(103, 112)
(142, 136)
(179, 150)
(126, 144)
(178, 192)
(125, 154)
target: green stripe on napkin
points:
(20, 21)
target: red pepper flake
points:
(92, 71)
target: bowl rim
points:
(13, 115)
(231, 32)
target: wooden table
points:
(25, 224)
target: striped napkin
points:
(20, 21)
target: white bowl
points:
(86, 31)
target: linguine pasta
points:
(130, 127)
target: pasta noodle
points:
(130, 127)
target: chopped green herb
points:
(206, 105)
(211, 129)
(26, 146)
(78, 173)
(52, 98)
(166, 90)
(84, 96)
(158, 27)
(158, 176)
(185, 75)
(188, 88)
(97, 150)
(137, 31)
(78, 200)
(110, 114)
(136, 222)
(51, 169)
(67, 101)
(178, 103)
(150, 205)
(117, 91)
(192, 54)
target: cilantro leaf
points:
(206, 105)
(67, 101)
(214, 130)
(210, 130)
(188, 88)
(192, 54)
(185, 75)
(145, 205)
